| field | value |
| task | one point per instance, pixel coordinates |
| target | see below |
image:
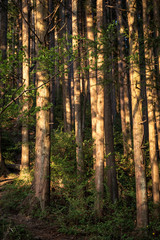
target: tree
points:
(77, 93)
(109, 145)
(123, 83)
(150, 91)
(92, 71)
(25, 80)
(99, 164)
(42, 147)
(157, 57)
(65, 85)
(138, 128)
(3, 52)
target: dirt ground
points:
(39, 229)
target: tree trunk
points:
(109, 146)
(150, 85)
(99, 165)
(3, 51)
(157, 34)
(138, 128)
(65, 85)
(42, 148)
(52, 81)
(77, 105)
(92, 71)
(25, 79)
(3, 28)
(123, 82)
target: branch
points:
(26, 20)
(114, 7)
(32, 89)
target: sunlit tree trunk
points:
(25, 80)
(52, 81)
(92, 71)
(150, 85)
(42, 148)
(57, 85)
(77, 106)
(99, 165)
(70, 70)
(123, 82)
(157, 26)
(157, 34)
(138, 128)
(3, 51)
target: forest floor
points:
(39, 229)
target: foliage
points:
(15, 194)
(10, 231)
(63, 163)
(75, 215)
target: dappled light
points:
(79, 120)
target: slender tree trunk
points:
(92, 71)
(157, 34)
(65, 86)
(84, 72)
(52, 81)
(78, 125)
(3, 28)
(157, 26)
(123, 82)
(99, 165)
(150, 85)
(25, 79)
(70, 70)
(57, 85)
(3, 51)
(42, 148)
(138, 128)
(109, 146)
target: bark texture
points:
(25, 80)
(65, 85)
(109, 146)
(3, 51)
(92, 71)
(123, 83)
(138, 128)
(99, 165)
(150, 87)
(42, 148)
(77, 93)
(157, 34)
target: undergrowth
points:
(72, 201)
(10, 231)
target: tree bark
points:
(77, 105)
(157, 34)
(109, 146)
(25, 99)
(52, 81)
(65, 85)
(150, 85)
(138, 128)
(42, 148)
(99, 165)
(3, 51)
(92, 71)
(124, 89)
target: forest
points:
(79, 119)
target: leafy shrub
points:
(10, 231)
